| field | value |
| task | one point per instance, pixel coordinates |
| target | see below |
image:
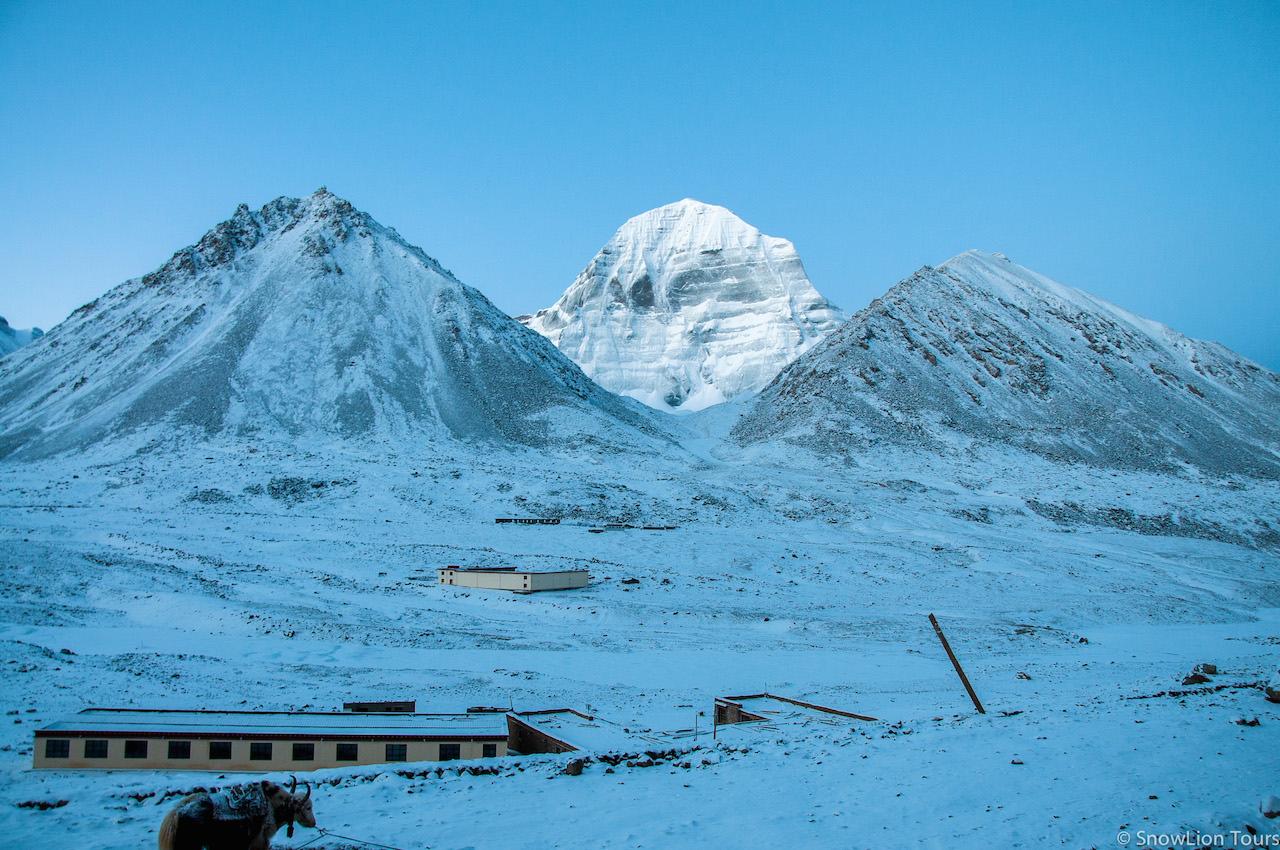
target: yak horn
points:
(294, 786)
(307, 785)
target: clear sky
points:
(1130, 149)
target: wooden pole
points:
(956, 664)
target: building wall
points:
(728, 713)
(515, 581)
(558, 581)
(326, 754)
(487, 581)
(383, 707)
(526, 739)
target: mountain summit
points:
(305, 317)
(988, 349)
(687, 306)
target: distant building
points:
(766, 707)
(508, 578)
(124, 738)
(396, 706)
(527, 520)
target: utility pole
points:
(956, 664)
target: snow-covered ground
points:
(224, 577)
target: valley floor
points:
(300, 581)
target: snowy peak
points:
(318, 219)
(994, 351)
(303, 318)
(997, 275)
(688, 225)
(11, 339)
(687, 306)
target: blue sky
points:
(1129, 149)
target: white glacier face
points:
(688, 306)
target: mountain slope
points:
(11, 339)
(994, 351)
(305, 317)
(687, 306)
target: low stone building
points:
(509, 578)
(126, 738)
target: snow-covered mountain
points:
(304, 317)
(687, 306)
(987, 348)
(11, 339)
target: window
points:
(490, 750)
(449, 752)
(304, 752)
(179, 749)
(260, 751)
(397, 752)
(57, 748)
(135, 749)
(219, 750)
(95, 749)
(348, 752)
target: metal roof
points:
(143, 723)
(581, 731)
(510, 571)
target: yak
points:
(243, 817)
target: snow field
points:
(179, 582)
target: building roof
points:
(511, 570)
(774, 708)
(123, 722)
(581, 731)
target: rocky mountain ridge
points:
(986, 349)
(305, 317)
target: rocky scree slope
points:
(303, 317)
(687, 306)
(988, 349)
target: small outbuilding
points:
(564, 730)
(509, 578)
(752, 708)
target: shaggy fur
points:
(241, 818)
